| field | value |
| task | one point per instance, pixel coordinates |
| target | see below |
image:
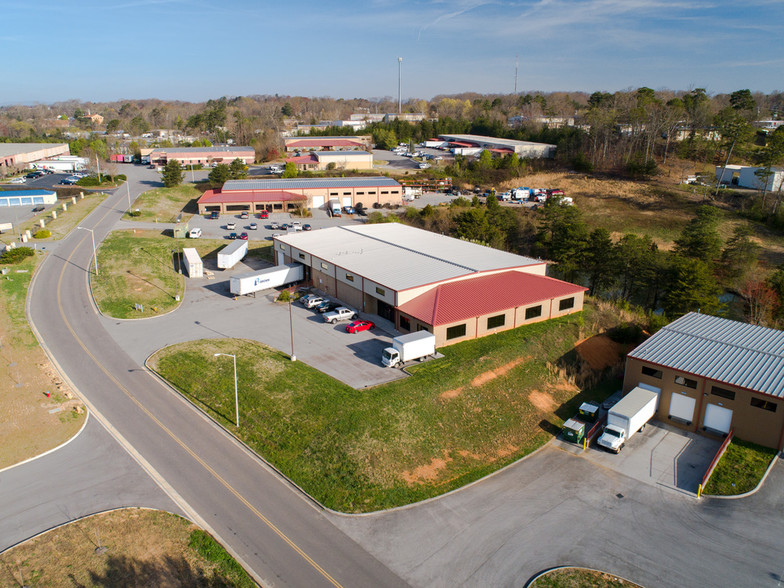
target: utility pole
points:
(399, 85)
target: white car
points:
(296, 225)
(195, 233)
(19, 180)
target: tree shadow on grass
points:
(170, 571)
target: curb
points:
(756, 489)
(548, 570)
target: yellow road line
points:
(215, 474)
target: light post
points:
(291, 327)
(98, 165)
(95, 256)
(399, 84)
(128, 189)
(236, 398)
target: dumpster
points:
(574, 430)
(589, 412)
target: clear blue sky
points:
(193, 50)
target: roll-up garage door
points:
(682, 408)
(717, 418)
(318, 201)
(346, 200)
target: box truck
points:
(231, 254)
(408, 348)
(269, 278)
(627, 417)
(192, 262)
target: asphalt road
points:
(88, 475)
(279, 535)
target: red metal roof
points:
(216, 197)
(465, 299)
(303, 159)
(323, 143)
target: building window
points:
(496, 321)
(681, 381)
(649, 371)
(346, 193)
(385, 191)
(324, 266)
(360, 193)
(723, 393)
(764, 404)
(349, 277)
(372, 192)
(302, 256)
(405, 323)
(333, 193)
(533, 312)
(566, 303)
(381, 291)
(282, 247)
(456, 331)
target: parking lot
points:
(660, 455)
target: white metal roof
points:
(402, 257)
(493, 141)
(728, 351)
(304, 183)
(8, 149)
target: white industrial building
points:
(746, 177)
(470, 144)
(27, 198)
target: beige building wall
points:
(545, 307)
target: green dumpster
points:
(574, 430)
(589, 411)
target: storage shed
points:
(194, 266)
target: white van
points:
(195, 233)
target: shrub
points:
(43, 234)
(89, 181)
(135, 213)
(120, 178)
(284, 296)
(16, 255)
(626, 333)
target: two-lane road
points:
(280, 535)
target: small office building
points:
(27, 198)
(202, 155)
(426, 281)
(714, 375)
(322, 160)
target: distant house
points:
(93, 118)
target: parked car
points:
(284, 227)
(327, 306)
(35, 174)
(39, 209)
(341, 313)
(231, 226)
(263, 214)
(296, 225)
(307, 227)
(274, 226)
(312, 301)
(244, 236)
(244, 214)
(232, 236)
(253, 226)
(214, 215)
(357, 326)
(195, 233)
(19, 180)
(348, 209)
(70, 180)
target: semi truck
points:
(231, 254)
(272, 277)
(408, 348)
(628, 416)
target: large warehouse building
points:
(362, 143)
(475, 143)
(714, 375)
(321, 160)
(290, 193)
(425, 281)
(19, 155)
(202, 155)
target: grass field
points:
(740, 469)
(485, 404)
(580, 578)
(123, 548)
(30, 422)
(165, 204)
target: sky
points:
(193, 50)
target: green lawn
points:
(165, 204)
(580, 578)
(740, 469)
(363, 450)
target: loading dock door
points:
(717, 418)
(347, 201)
(318, 201)
(682, 408)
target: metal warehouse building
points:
(425, 281)
(501, 146)
(19, 155)
(202, 155)
(714, 375)
(290, 193)
(362, 143)
(320, 160)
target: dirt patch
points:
(600, 351)
(426, 473)
(449, 394)
(496, 373)
(506, 451)
(542, 401)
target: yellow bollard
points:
(699, 490)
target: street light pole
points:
(236, 397)
(399, 85)
(128, 189)
(291, 327)
(95, 255)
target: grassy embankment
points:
(485, 404)
(141, 267)
(740, 469)
(166, 204)
(123, 548)
(580, 578)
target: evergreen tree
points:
(172, 174)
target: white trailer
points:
(627, 417)
(231, 254)
(193, 264)
(408, 348)
(272, 277)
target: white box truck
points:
(192, 262)
(268, 278)
(231, 254)
(627, 417)
(408, 348)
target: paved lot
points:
(661, 455)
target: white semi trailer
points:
(272, 277)
(627, 417)
(232, 253)
(408, 348)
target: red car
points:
(244, 236)
(357, 326)
(264, 214)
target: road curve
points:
(283, 538)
